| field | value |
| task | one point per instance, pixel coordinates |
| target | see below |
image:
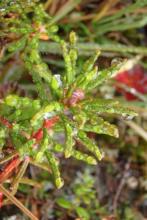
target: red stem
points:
(9, 168)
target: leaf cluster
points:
(65, 105)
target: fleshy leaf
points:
(89, 144)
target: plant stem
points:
(65, 9)
(139, 130)
(27, 181)
(9, 157)
(17, 203)
(87, 49)
(18, 177)
(43, 166)
(105, 7)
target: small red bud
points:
(77, 95)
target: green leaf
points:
(54, 163)
(69, 140)
(43, 146)
(64, 203)
(84, 157)
(68, 65)
(18, 45)
(88, 77)
(88, 65)
(104, 75)
(77, 154)
(99, 126)
(95, 103)
(82, 213)
(108, 106)
(53, 106)
(89, 144)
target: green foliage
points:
(64, 203)
(67, 99)
(81, 201)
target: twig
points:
(26, 181)
(65, 9)
(87, 49)
(104, 8)
(120, 187)
(43, 166)
(17, 203)
(17, 179)
(20, 174)
(9, 157)
(139, 130)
